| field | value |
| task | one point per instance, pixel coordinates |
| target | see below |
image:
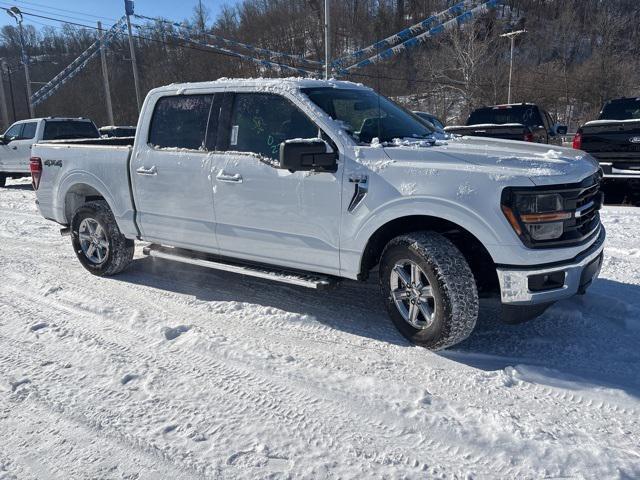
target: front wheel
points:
(97, 240)
(3, 180)
(429, 290)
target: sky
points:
(90, 11)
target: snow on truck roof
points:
(288, 83)
(54, 119)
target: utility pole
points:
(327, 42)
(105, 75)
(16, 14)
(13, 103)
(511, 36)
(128, 7)
(3, 99)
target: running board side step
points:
(301, 279)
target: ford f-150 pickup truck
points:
(614, 140)
(16, 143)
(310, 181)
(519, 121)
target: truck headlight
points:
(542, 215)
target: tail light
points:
(35, 166)
(528, 137)
(577, 141)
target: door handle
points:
(14, 148)
(147, 171)
(223, 177)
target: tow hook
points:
(65, 231)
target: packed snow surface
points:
(172, 371)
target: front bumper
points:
(549, 283)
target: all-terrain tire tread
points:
(456, 279)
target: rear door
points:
(171, 172)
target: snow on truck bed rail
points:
(173, 371)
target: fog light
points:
(545, 231)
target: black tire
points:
(3, 180)
(453, 294)
(120, 249)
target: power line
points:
(33, 6)
(138, 36)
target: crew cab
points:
(519, 121)
(311, 182)
(16, 143)
(614, 140)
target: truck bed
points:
(94, 167)
(615, 144)
(505, 132)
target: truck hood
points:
(542, 164)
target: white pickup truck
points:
(310, 181)
(16, 142)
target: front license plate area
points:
(590, 273)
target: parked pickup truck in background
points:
(614, 140)
(16, 143)
(309, 182)
(519, 121)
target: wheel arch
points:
(479, 259)
(77, 195)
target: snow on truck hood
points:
(542, 164)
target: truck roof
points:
(509, 105)
(56, 119)
(270, 83)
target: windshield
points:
(69, 129)
(625, 109)
(431, 119)
(365, 115)
(525, 114)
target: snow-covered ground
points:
(171, 371)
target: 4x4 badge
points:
(53, 163)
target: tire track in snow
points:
(302, 422)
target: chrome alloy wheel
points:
(93, 240)
(412, 294)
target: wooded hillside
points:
(576, 55)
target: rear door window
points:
(28, 131)
(69, 130)
(180, 122)
(261, 121)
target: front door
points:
(15, 154)
(264, 213)
(171, 174)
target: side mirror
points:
(561, 129)
(305, 155)
(3, 140)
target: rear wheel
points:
(429, 290)
(3, 180)
(97, 240)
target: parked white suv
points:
(16, 142)
(310, 181)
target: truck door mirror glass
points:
(561, 129)
(306, 155)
